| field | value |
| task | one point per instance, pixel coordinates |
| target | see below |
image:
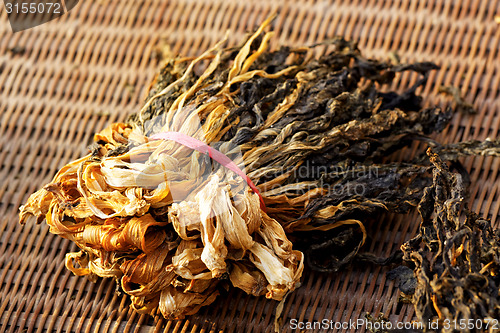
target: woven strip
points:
(65, 80)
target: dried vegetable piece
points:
(456, 256)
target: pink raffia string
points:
(214, 154)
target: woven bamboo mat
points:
(65, 80)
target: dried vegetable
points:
(235, 155)
(456, 257)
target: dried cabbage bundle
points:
(233, 153)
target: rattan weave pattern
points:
(64, 80)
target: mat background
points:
(63, 81)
